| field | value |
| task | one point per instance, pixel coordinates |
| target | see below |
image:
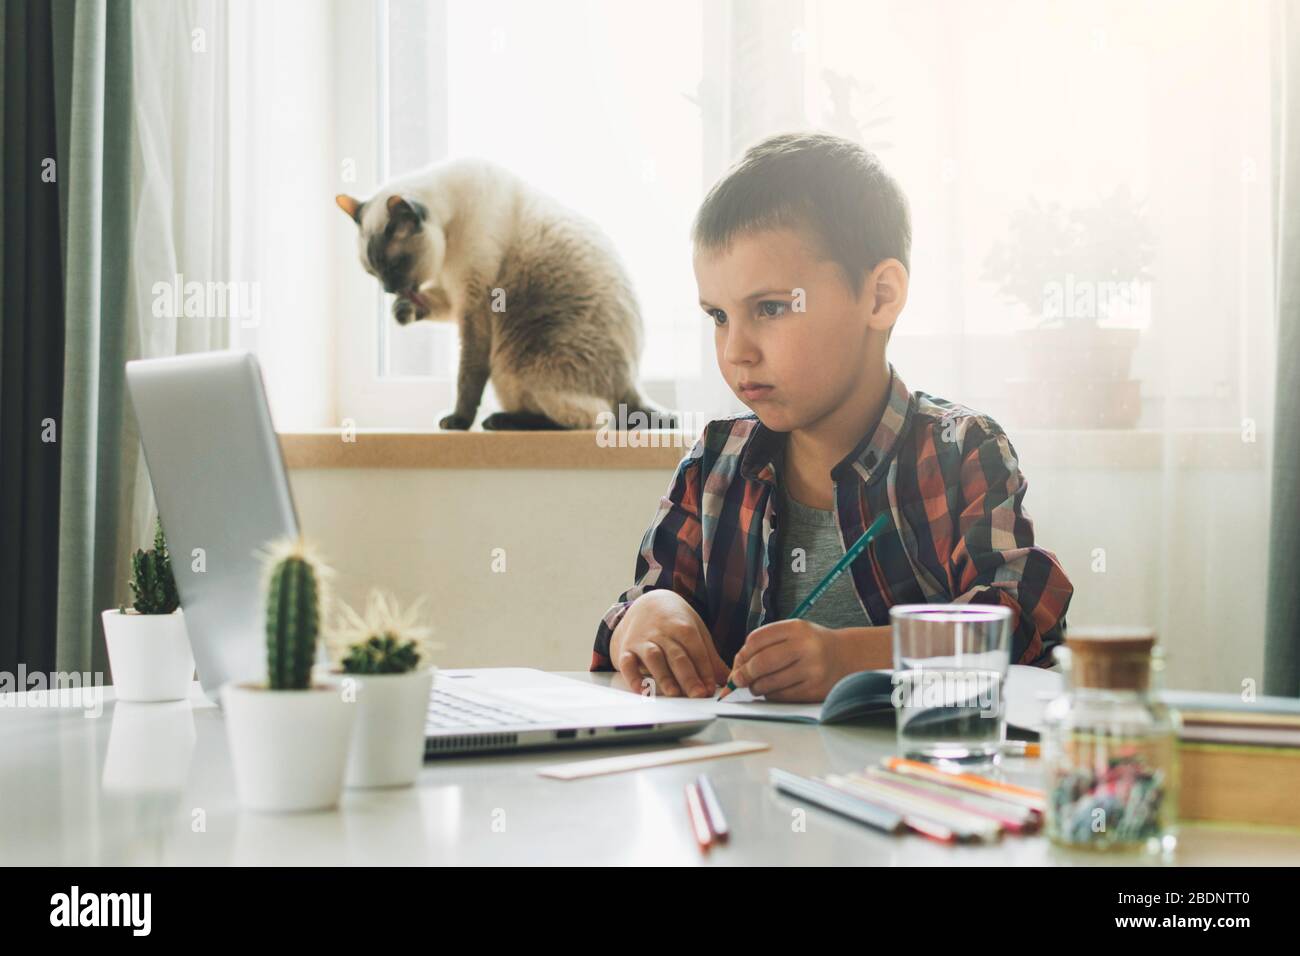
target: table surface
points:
(151, 784)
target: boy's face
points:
(791, 367)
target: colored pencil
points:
(699, 820)
(1024, 796)
(966, 826)
(712, 809)
(1020, 748)
(828, 798)
(1009, 816)
(806, 604)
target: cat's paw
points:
(519, 422)
(455, 423)
(413, 306)
(405, 311)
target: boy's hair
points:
(830, 188)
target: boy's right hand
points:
(663, 637)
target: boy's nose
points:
(738, 347)
(739, 350)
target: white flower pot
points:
(149, 655)
(149, 748)
(289, 748)
(388, 738)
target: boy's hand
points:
(662, 636)
(791, 661)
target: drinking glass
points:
(950, 670)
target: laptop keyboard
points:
(463, 708)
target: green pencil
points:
(850, 556)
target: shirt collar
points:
(871, 454)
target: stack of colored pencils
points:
(902, 795)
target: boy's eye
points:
(771, 308)
(717, 315)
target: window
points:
(1137, 134)
(597, 105)
(1140, 132)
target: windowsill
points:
(1118, 450)
(377, 448)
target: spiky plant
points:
(386, 640)
(293, 613)
(151, 578)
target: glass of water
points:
(950, 670)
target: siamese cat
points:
(545, 309)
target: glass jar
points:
(1110, 746)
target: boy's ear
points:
(350, 206)
(886, 292)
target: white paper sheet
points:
(741, 703)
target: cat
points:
(545, 308)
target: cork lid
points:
(1114, 658)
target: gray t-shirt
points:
(815, 531)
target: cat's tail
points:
(656, 415)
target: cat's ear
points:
(403, 208)
(350, 206)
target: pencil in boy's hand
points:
(823, 586)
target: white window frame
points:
(366, 398)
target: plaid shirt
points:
(947, 476)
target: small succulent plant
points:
(385, 640)
(151, 578)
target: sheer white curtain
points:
(181, 218)
(285, 64)
(234, 182)
(1090, 193)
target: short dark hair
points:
(831, 188)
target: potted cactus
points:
(289, 736)
(382, 665)
(148, 650)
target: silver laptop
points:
(219, 481)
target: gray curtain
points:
(93, 94)
(31, 340)
(1282, 640)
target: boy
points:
(801, 258)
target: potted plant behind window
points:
(383, 666)
(289, 736)
(149, 653)
(1075, 270)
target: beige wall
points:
(569, 538)
(1185, 547)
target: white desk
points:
(133, 786)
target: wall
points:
(1182, 522)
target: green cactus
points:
(382, 654)
(292, 622)
(151, 581)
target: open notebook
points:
(867, 693)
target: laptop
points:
(219, 481)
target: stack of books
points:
(1239, 760)
(907, 795)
